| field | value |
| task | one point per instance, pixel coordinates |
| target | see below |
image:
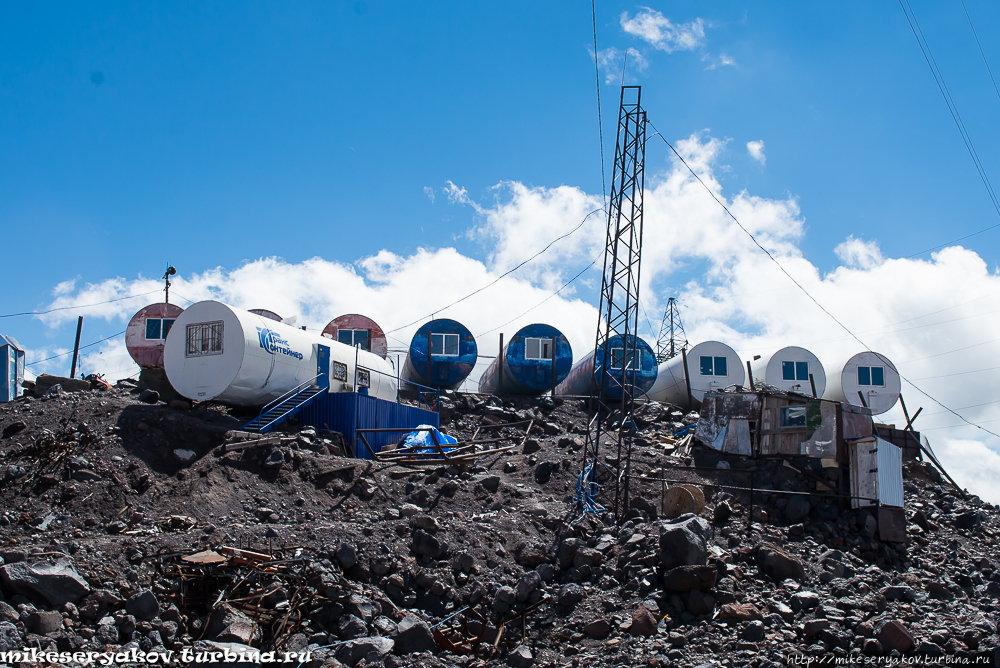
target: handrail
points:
(288, 394)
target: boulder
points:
(426, 544)
(44, 622)
(643, 622)
(413, 635)
(520, 657)
(685, 578)
(347, 555)
(684, 542)
(143, 604)
(372, 649)
(56, 582)
(570, 594)
(797, 509)
(778, 564)
(738, 612)
(10, 638)
(230, 625)
(350, 627)
(527, 584)
(597, 628)
(699, 603)
(894, 635)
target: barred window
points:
(339, 371)
(364, 378)
(537, 349)
(205, 338)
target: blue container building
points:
(583, 375)
(12, 363)
(528, 360)
(453, 354)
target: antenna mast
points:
(672, 339)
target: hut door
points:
(323, 366)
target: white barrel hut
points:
(867, 374)
(789, 369)
(711, 366)
(218, 352)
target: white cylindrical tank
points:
(789, 368)
(218, 352)
(711, 365)
(869, 373)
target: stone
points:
(567, 551)
(425, 522)
(526, 585)
(372, 648)
(894, 636)
(228, 624)
(969, 520)
(410, 509)
(738, 612)
(723, 511)
(490, 483)
(56, 582)
(143, 604)
(350, 627)
(10, 638)
(685, 578)
(44, 622)
(520, 657)
(814, 627)
(425, 544)
(413, 634)
(8, 614)
(347, 555)
(753, 632)
(569, 595)
(597, 628)
(275, 460)
(684, 542)
(699, 603)
(778, 564)
(13, 428)
(463, 562)
(643, 622)
(797, 509)
(543, 472)
(530, 446)
(588, 556)
(107, 634)
(804, 600)
(149, 396)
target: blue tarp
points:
(421, 441)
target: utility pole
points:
(166, 283)
(619, 310)
(672, 339)
(76, 346)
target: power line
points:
(804, 291)
(494, 282)
(981, 52)
(925, 49)
(69, 308)
(70, 352)
(600, 123)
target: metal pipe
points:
(750, 376)
(553, 358)
(687, 378)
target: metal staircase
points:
(285, 406)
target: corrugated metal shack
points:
(346, 412)
(790, 425)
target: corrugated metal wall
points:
(890, 474)
(347, 411)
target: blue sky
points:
(213, 135)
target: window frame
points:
(711, 365)
(159, 329)
(202, 327)
(785, 422)
(364, 377)
(542, 343)
(354, 338)
(444, 344)
(871, 375)
(338, 371)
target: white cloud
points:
(653, 27)
(722, 60)
(756, 150)
(933, 317)
(612, 62)
(430, 193)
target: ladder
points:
(284, 407)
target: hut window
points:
(793, 416)
(339, 371)
(354, 337)
(205, 338)
(158, 328)
(871, 375)
(364, 378)
(444, 344)
(537, 349)
(714, 366)
(618, 356)
(795, 371)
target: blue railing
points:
(288, 395)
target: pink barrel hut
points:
(354, 329)
(146, 332)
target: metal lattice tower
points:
(672, 339)
(619, 309)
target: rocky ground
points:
(150, 527)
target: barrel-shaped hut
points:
(442, 354)
(536, 359)
(587, 372)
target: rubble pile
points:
(133, 524)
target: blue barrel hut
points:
(453, 355)
(580, 380)
(528, 360)
(12, 365)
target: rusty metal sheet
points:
(718, 411)
(890, 474)
(205, 558)
(148, 352)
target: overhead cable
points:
(600, 123)
(70, 352)
(804, 291)
(69, 308)
(495, 281)
(925, 49)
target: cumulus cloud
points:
(756, 150)
(653, 27)
(931, 316)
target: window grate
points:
(204, 339)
